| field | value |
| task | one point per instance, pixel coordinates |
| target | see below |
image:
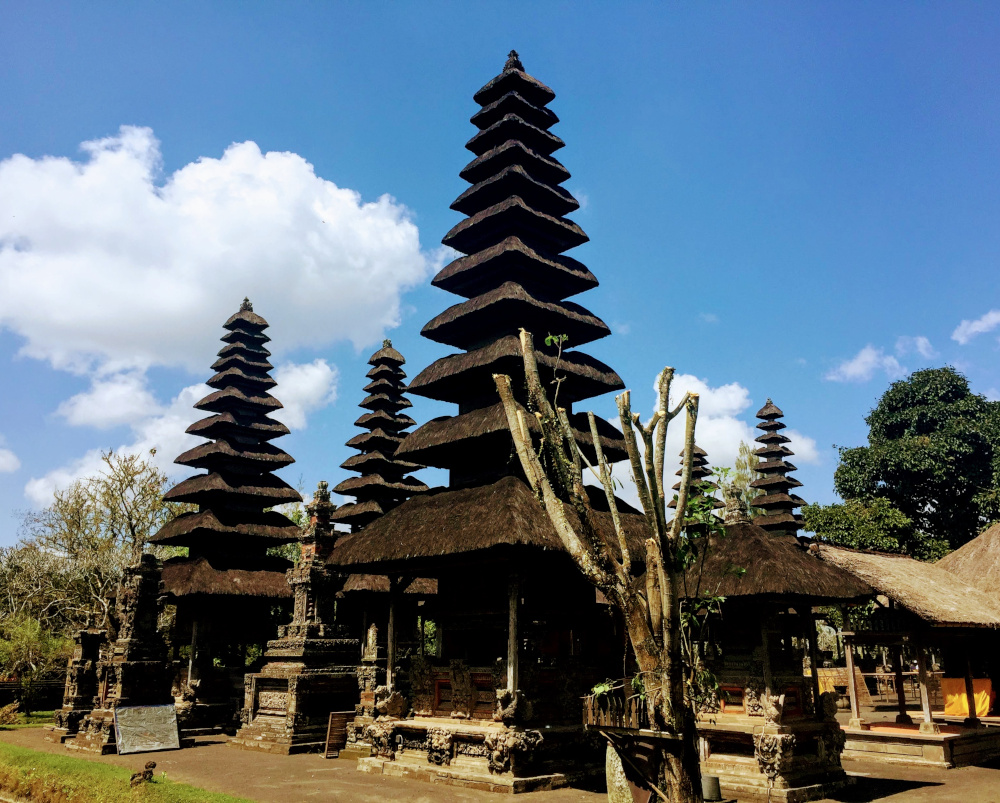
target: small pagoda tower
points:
(226, 586)
(383, 483)
(775, 485)
(700, 471)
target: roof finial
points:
(386, 343)
(246, 306)
(513, 62)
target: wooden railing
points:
(618, 708)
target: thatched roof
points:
(514, 217)
(183, 577)
(775, 566)
(926, 590)
(379, 583)
(514, 78)
(978, 562)
(444, 522)
(514, 103)
(515, 180)
(510, 126)
(513, 152)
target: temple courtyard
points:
(309, 777)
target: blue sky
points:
(789, 200)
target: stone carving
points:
(774, 752)
(422, 686)
(371, 645)
(508, 703)
(502, 744)
(389, 703)
(774, 707)
(753, 693)
(477, 749)
(272, 701)
(439, 741)
(379, 735)
(830, 745)
(463, 690)
(828, 704)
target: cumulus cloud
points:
(864, 365)
(8, 460)
(110, 268)
(104, 267)
(302, 389)
(915, 345)
(111, 401)
(967, 330)
(722, 424)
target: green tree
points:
(736, 482)
(933, 453)
(874, 525)
(30, 653)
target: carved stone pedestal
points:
(81, 685)
(132, 671)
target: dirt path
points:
(287, 779)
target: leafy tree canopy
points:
(933, 454)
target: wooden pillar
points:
(390, 647)
(928, 725)
(420, 635)
(902, 718)
(513, 599)
(812, 636)
(852, 685)
(765, 640)
(972, 720)
(194, 650)
(364, 630)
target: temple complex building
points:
(521, 636)
(229, 593)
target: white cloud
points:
(8, 460)
(621, 328)
(919, 345)
(992, 394)
(863, 366)
(967, 330)
(101, 267)
(708, 317)
(161, 430)
(113, 400)
(302, 389)
(721, 425)
(108, 271)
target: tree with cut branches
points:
(651, 610)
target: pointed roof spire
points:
(775, 485)
(513, 62)
(383, 483)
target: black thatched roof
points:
(183, 577)
(454, 522)
(379, 584)
(775, 565)
(227, 537)
(382, 484)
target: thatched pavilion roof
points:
(938, 597)
(773, 565)
(978, 562)
(453, 522)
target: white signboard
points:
(145, 728)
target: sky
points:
(788, 200)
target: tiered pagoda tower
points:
(513, 275)
(227, 584)
(775, 500)
(383, 483)
(700, 470)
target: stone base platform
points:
(270, 734)
(954, 746)
(476, 754)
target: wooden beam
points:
(513, 599)
(928, 725)
(852, 685)
(972, 720)
(390, 649)
(902, 718)
(812, 635)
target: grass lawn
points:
(51, 778)
(34, 720)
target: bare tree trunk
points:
(652, 618)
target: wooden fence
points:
(617, 708)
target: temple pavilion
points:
(521, 636)
(229, 593)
